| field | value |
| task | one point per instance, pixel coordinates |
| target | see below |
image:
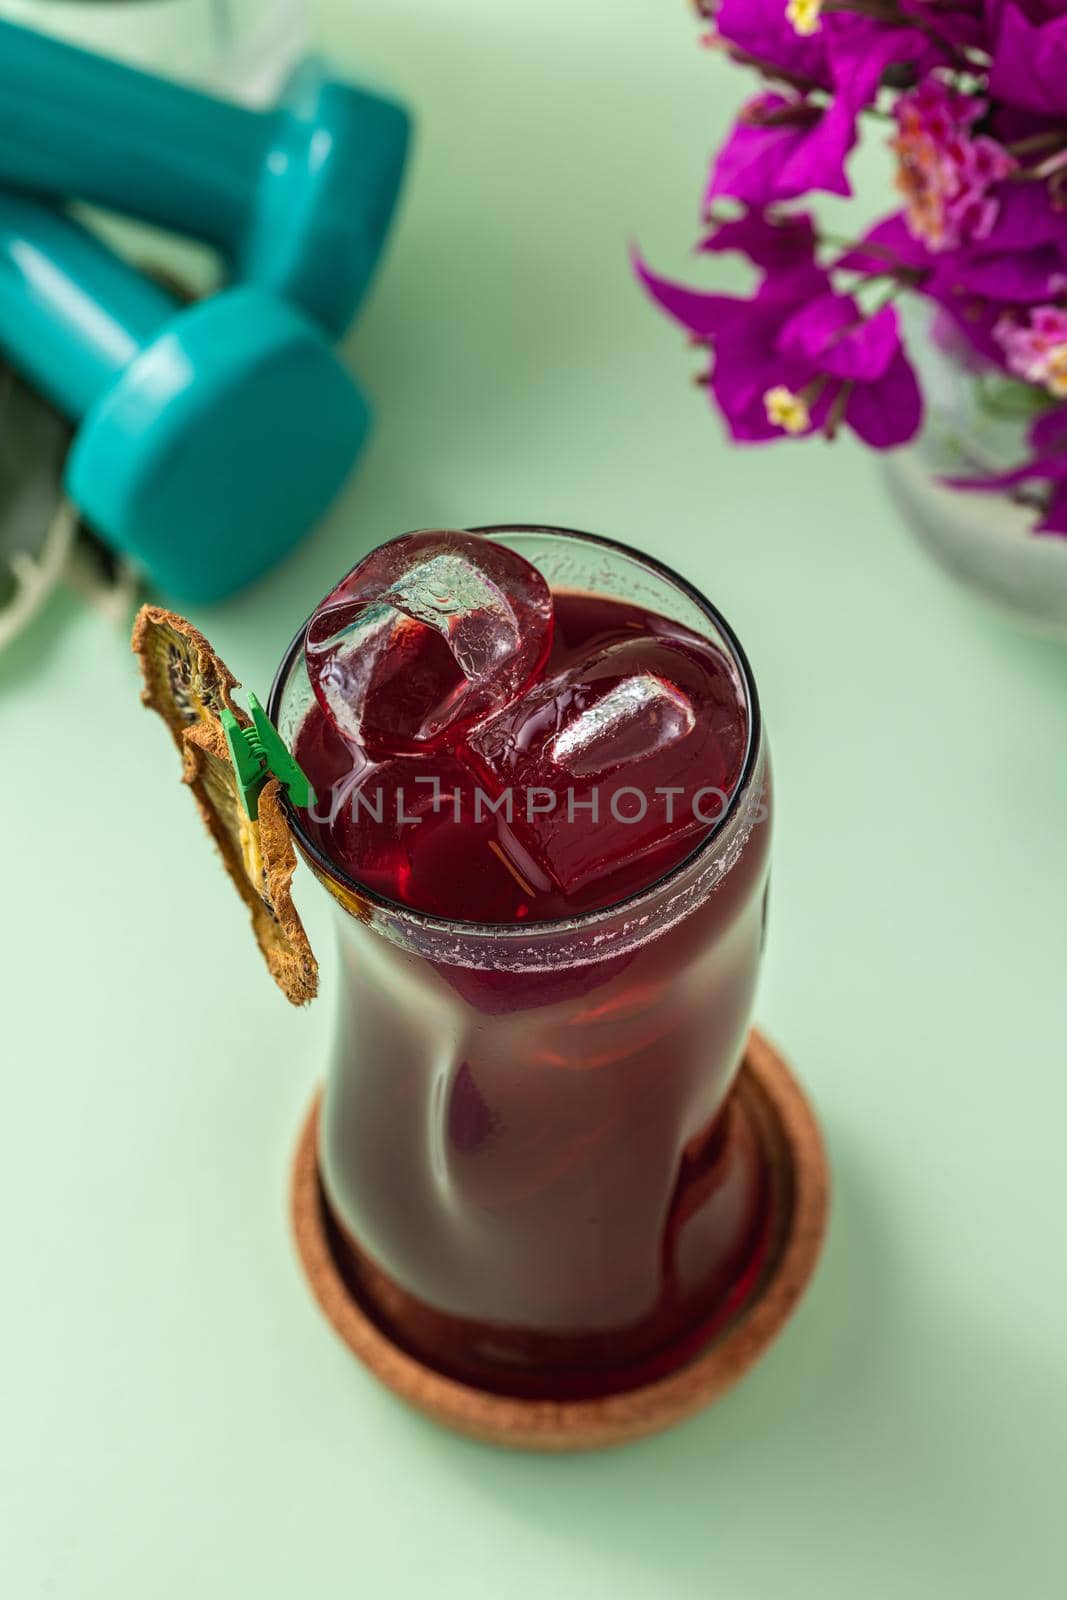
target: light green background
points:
(176, 1419)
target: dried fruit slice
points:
(188, 685)
(185, 681)
(259, 857)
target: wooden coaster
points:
(801, 1188)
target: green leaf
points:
(1000, 396)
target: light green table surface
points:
(176, 1419)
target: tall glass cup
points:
(536, 1176)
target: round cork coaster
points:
(800, 1188)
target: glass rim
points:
(532, 931)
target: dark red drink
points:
(537, 1179)
(431, 830)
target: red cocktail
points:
(542, 805)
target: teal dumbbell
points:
(209, 438)
(298, 198)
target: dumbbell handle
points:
(72, 314)
(138, 143)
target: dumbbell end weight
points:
(220, 444)
(326, 196)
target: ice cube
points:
(425, 638)
(616, 764)
(642, 715)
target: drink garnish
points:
(258, 754)
(191, 688)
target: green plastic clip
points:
(257, 754)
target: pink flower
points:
(946, 174)
(1036, 348)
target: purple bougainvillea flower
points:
(814, 46)
(1027, 225)
(1035, 347)
(764, 31)
(1022, 262)
(881, 403)
(889, 246)
(829, 334)
(782, 147)
(1028, 47)
(771, 240)
(1022, 259)
(743, 335)
(891, 249)
(947, 174)
(786, 145)
(889, 412)
(1026, 217)
(1008, 279)
(859, 52)
(975, 285)
(703, 315)
(797, 359)
(979, 91)
(960, 26)
(762, 392)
